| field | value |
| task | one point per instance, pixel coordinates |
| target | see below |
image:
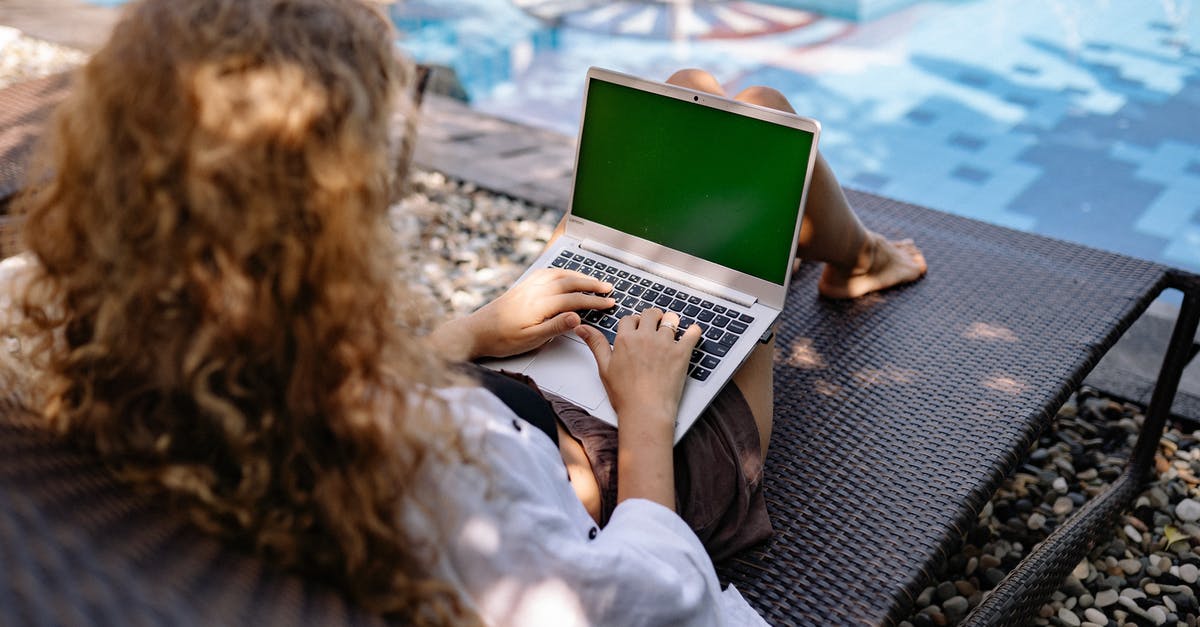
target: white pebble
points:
(1133, 594)
(1095, 616)
(1189, 573)
(1105, 598)
(1068, 617)
(1188, 510)
(1060, 484)
(1133, 534)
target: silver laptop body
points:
(734, 275)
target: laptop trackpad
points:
(567, 368)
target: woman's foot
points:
(881, 264)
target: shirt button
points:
(516, 425)
(592, 533)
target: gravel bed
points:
(24, 58)
(468, 245)
(1143, 572)
(465, 244)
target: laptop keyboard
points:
(634, 293)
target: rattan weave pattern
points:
(77, 548)
(897, 415)
(24, 109)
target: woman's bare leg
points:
(857, 261)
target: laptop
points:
(683, 201)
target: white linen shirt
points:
(519, 545)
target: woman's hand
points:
(646, 367)
(525, 317)
(644, 373)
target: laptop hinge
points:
(668, 272)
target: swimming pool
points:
(1078, 119)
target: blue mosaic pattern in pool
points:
(1078, 119)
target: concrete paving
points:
(535, 165)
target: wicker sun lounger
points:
(897, 417)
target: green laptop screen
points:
(713, 184)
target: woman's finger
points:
(575, 301)
(598, 344)
(576, 282)
(691, 337)
(669, 322)
(650, 318)
(628, 323)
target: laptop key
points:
(636, 290)
(714, 348)
(707, 304)
(719, 309)
(710, 362)
(559, 262)
(659, 287)
(669, 290)
(645, 282)
(706, 315)
(576, 257)
(624, 274)
(589, 262)
(621, 286)
(720, 321)
(593, 316)
(699, 374)
(623, 312)
(663, 300)
(677, 305)
(713, 333)
(697, 357)
(630, 301)
(574, 265)
(737, 327)
(691, 310)
(747, 318)
(608, 322)
(695, 300)
(650, 296)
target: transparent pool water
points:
(1078, 119)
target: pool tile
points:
(921, 117)
(869, 181)
(970, 174)
(966, 142)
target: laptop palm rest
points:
(569, 363)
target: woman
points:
(211, 302)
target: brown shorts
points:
(718, 471)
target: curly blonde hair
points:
(214, 305)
